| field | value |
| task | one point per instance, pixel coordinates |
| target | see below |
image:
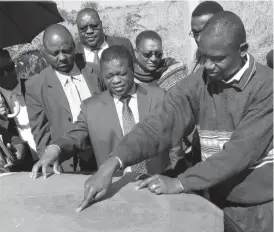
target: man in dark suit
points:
(92, 37)
(54, 96)
(106, 117)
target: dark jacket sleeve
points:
(250, 141)
(77, 139)
(39, 122)
(161, 130)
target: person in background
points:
(201, 14)
(54, 96)
(151, 68)
(16, 112)
(269, 59)
(231, 101)
(93, 41)
(123, 105)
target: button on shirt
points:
(81, 88)
(133, 104)
(89, 54)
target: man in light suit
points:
(106, 117)
(54, 96)
(92, 37)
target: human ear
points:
(243, 49)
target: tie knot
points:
(125, 99)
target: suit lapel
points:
(144, 102)
(56, 90)
(111, 116)
(91, 79)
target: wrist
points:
(110, 166)
(179, 186)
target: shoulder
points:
(96, 99)
(117, 40)
(263, 79)
(92, 67)
(38, 79)
(153, 91)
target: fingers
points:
(8, 145)
(89, 198)
(146, 182)
(55, 168)
(44, 170)
(9, 165)
(35, 169)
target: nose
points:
(153, 58)
(61, 56)
(209, 65)
(197, 39)
(89, 30)
(116, 80)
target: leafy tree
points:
(90, 4)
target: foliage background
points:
(164, 17)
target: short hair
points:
(269, 59)
(116, 52)
(85, 11)
(228, 25)
(148, 34)
(207, 8)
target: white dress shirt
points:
(22, 119)
(90, 54)
(133, 104)
(81, 87)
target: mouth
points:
(63, 65)
(90, 38)
(118, 88)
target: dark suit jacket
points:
(111, 40)
(48, 108)
(99, 123)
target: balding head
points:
(57, 33)
(59, 48)
(228, 26)
(223, 45)
(90, 28)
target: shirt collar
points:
(74, 73)
(237, 77)
(103, 46)
(132, 93)
(244, 77)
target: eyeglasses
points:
(194, 34)
(149, 54)
(93, 27)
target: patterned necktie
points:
(96, 59)
(128, 124)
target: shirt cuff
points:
(121, 163)
(53, 145)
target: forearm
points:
(159, 132)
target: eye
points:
(217, 58)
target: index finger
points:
(146, 182)
(89, 198)
(35, 169)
